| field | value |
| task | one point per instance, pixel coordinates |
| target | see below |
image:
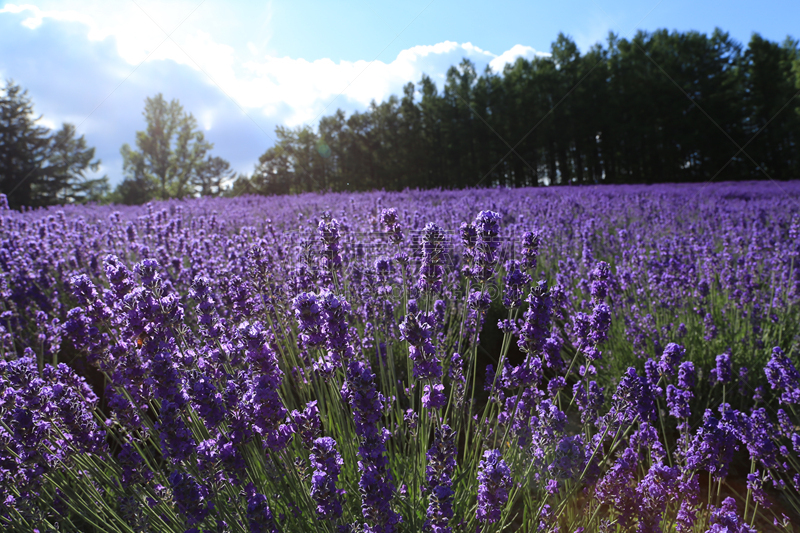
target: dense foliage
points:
(171, 159)
(660, 107)
(608, 359)
(39, 166)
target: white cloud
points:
(510, 56)
(100, 85)
(263, 82)
(309, 87)
(139, 28)
(47, 123)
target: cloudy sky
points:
(242, 68)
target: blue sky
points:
(241, 68)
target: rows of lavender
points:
(584, 359)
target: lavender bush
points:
(537, 360)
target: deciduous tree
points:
(171, 159)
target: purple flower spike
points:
(308, 312)
(494, 478)
(307, 423)
(376, 487)
(327, 464)
(530, 249)
(439, 475)
(600, 276)
(672, 355)
(724, 370)
(433, 397)
(391, 225)
(686, 375)
(725, 519)
(259, 515)
(536, 327)
(782, 375)
(190, 497)
(433, 247)
(329, 233)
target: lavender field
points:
(565, 359)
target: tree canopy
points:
(660, 107)
(171, 159)
(38, 166)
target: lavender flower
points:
(589, 404)
(266, 410)
(206, 307)
(391, 225)
(658, 488)
(417, 332)
(536, 327)
(724, 370)
(259, 515)
(633, 399)
(761, 437)
(469, 237)
(569, 458)
(725, 519)
(190, 497)
(119, 277)
(336, 330)
(515, 282)
(487, 227)
(433, 248)
(670, 357)
(782, 375)
(600, 322)
(207, 400)
(329, 233)
(494, 478)
(714, 444)
(614, 488)
(177, 441)
(686, 375)
(308, 313)
(600, 276)
(710, 327)
(306, 424)
(439, 476)
(377, 489)
(327, 464)
(530, 249)
(678, 402)
(479, 301)
(433, 397)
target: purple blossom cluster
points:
(494, 478)
(439, 474)
(327, 464)
(376, 486)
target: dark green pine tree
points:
(39, 167)
(659, 107)
(64, 179)
(773, 106)
(24, 147)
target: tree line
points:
(40, 167)
(660, 107)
